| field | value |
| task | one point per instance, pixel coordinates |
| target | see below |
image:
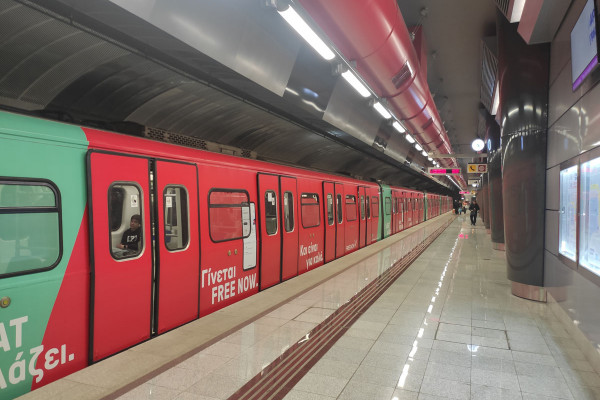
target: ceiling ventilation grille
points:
(503, 5)
(190, 141)
(489, 71)
(402, 76)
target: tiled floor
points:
(447, 328)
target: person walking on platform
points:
(474, 208)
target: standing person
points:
(474, 207)
(132, 236)
(456, 205)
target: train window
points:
(375, 205)
(329, 209)
(126, 231)
(368, 208)
(340, 207)
(350, 208)
(270, 212)
(288, 211)
(176, 217)
(388, 206)
(309, 204)
(362, 207)
(227, 211)
(30, 227)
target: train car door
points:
(289, 227)
(362, 227)
(330, 227)
(340, 237)
(178, 267)
(270, 232)
(120, 251)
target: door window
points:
(176, 229)
(329, 209)
(362, 207)
(125, 201)
(288, 211)
(270, 212)
(340, 207)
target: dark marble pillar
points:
(523, 78)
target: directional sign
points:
(444, 171)
(464, 192)
(477, 168)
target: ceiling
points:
(454, 30)
(91, 62)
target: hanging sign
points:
(477, 168)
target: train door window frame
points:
(271, 213)
(330, 210)
(387, 205)
(116, 237)
(339, 208)
(17, 211)
(351, 209)
(368, 206)
(178, 202)
(288, 211)
(362, 207)
(233, 205)
(310, 201)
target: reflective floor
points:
(448, 327)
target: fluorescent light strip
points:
(398, 127)
(356, 84)
(424, 153)
(381, 110)
(418, 147)
(410, 138)
(300, 26)
(430, 159)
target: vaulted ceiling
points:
(235, 74)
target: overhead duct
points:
(373, 34)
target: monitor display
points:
(584, 46)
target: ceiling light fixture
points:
(356, 83)
(424, 153)
(409, 138)
(398, 126)
(430, 159)
(477, 144)
(418, 147)
(300, 26)
(382, 110)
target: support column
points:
(523, 70)
(486, 202)
(492, 139)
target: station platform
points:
(425, 314)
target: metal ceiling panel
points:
(224, 32)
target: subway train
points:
(107, 240)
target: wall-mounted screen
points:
(584, 46)
(589, 231)
(567, 223)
